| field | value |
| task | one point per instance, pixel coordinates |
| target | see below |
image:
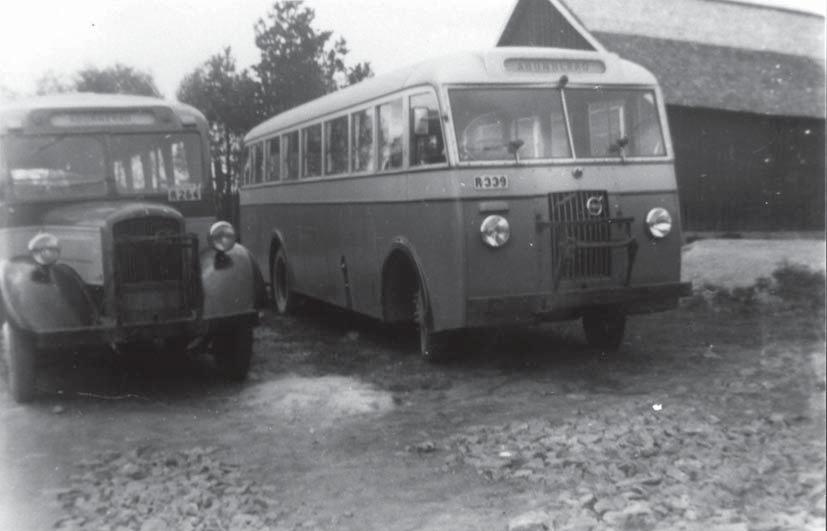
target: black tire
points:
(21, 361)
(233, 349)
(604, 328)
(433, 347)
(284, 300)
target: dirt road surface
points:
(710, 417)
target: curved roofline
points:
(90, 100)
(474, 67)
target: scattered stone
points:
(425, 447)
(531, 521)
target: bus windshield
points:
(65, 166)
(507, 124)
(494, 124)
(72, 166)
(157, 162)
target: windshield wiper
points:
(514, 148)
(619, 146)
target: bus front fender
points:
(37, 299)
(232, 283)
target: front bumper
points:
(106, 334)
(561, 305)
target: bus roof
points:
(16, 112)
(505, 65)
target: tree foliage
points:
(297, 62)
(116, 79)
(226, 96)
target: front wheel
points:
(21, 362)
(604, 328)
(433, 346)
(233, 348)
(283, 298)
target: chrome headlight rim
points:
(659, 223)
(222, 236)
(44, 248)
(495, 231)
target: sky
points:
(170, 38)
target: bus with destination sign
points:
(478, 190)
(108, 235)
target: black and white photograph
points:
(363, 265)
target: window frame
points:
(660, 107)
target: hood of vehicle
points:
(106, 213)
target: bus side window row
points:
(362, 142)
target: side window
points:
(335, 142)
(290, 143)
(312, 151)
(361, 134)
(390, 135)
(247, 169)
(273, 159)
(427, 145)
(258, 163)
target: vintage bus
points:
(108, 234)
(477, 190)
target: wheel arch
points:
(402, 274)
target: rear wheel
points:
(283, 298)
(233, 348)
(21, 361)
(604, 327)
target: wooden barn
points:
(745, 94)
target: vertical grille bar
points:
(571, 220)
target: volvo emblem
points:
(594, 205)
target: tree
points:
(117, 79)
(227, 97)
(299, 63)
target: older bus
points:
(480, 189)
(108, 234)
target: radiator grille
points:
(573, 220)
(155, 269)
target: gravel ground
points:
(711, 417)
(739, 263)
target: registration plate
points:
(184, 192)
(491, 182)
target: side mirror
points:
(420, 121)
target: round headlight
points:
(495, 231)
(44, 248)
(222, 236)
(659, 222)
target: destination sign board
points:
(102, 119)
(554, 66)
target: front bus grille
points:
(585, 240)
(155, 270)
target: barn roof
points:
(718, 54)
(721, 77)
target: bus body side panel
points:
(435, 229)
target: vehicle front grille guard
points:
(565, 242)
